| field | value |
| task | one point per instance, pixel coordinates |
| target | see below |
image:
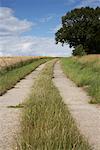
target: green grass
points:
(10, 78)
(85, 74)
(46, 122)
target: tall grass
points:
(85, 72)
(9, 78)
(46, 122)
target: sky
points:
(27, 27)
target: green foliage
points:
(81, 26)
(84, 74)
(79, 50)
(46, 121)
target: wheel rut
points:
(10, 117)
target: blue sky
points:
(27, 27)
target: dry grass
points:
(89, 58)
(8, 61)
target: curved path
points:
(87, 116)
(9, 117)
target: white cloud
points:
(25, 45)
(82, 3)
(13, 43)
(46, 19)
(69, 2)
(91, 3)
(55, 29)
(11, 25)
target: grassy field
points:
(85, 72)
(46, 122)
(9, 78)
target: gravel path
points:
(87, 115)
(10, 117)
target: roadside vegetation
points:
(46, 122)
(9, 77)
(9, 63)
(85, 72)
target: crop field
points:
(9, 61)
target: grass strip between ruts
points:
(46, 122)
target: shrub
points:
(79, 50)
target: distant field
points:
(85, 72)
(8, 61)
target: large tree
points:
(81, 26)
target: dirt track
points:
(10, 117)
(87, 116)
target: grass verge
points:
(10, 78)
(46, 122)
(85, 74)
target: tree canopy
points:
(81, 26)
